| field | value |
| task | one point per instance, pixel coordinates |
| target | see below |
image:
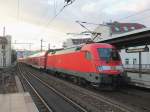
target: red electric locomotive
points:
(96, 63)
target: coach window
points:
(88, 55)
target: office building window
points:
(134, 61)
(126, 61)
(117, 29)
(133, 28)
(125, 28)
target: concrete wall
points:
(7, 51)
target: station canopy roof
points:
(130, 39)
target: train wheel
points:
(84, 83)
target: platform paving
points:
(18, 84)
(17, 102)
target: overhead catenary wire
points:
(96, 34)
(57, 14)
(83, 26)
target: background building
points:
(5, 51)
(114, 28)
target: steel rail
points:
(42, 100)
(99, 97)
(60, 94)
(104, 99)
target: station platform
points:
(17, 102)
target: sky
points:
(29, 21)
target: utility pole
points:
(4, 31)
(42, 45)
(4, 56)
(3, 47)
(49, 46)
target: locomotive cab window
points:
(88, 55)
(108, 54)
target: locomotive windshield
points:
(108, 54)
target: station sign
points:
(146, 49)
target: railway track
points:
(52, 100)
(137, 103)
(136, 91)
(39, 101)
(127, 101)
(101, 98)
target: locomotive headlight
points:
(100, 68)
(120, 68)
